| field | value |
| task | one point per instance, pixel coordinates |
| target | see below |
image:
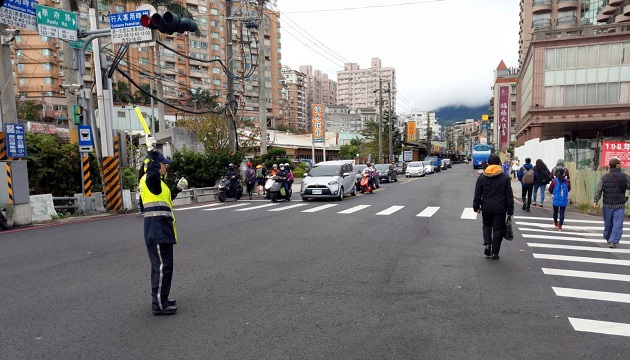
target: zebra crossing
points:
(581, 242)
(339, 208)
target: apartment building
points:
(186, 62)
(294, 97)
(359, 88)
(319, 89)
(574, 79)
(502, 110)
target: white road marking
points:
(289, 207)
(551, 237)
(582, 259)
(564, 226)
(429, 211)
(469, 213)
(257, 207)
(354, 209)
(565, 232)
(591, 294)
(198, 207)
(319, 208)
(600, 327)
(580, 248)
(227, 207)
(586, 274)
(565, 220)
(390, 210)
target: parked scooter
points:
(276, 191)
(225, 191)
(365, 184)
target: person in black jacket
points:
(613, 187)
(493, 199)
(234, 177)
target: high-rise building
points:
(502, 111)
(359, 88)
(319, 89)
(294, 96)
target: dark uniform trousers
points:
(493, 229)
(161, 256)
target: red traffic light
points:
(168, 23)
(145, 20)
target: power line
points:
(366, 7)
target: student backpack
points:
(528, 176)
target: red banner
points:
(618, 149)
(504, 117)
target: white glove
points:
(151, 142)
(182, 184)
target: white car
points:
(415, 168)
(428, 167)
(329, 179)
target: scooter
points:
(365, 184)
(275, 190)
(225, 191)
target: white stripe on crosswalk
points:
(289, 207)
(319, 208)
(568, 238)
(579, 248)
(600, 327)
(390, 210)
(257, 207)
(429, 211)
(586, 274)
(227, 207)
(469, 213)
(582, 259)
(555, 231)
(354, 209)
(197, 207)
(591, 294)
(518, 217)
(570, 227)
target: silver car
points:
(329, 179)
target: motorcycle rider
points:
(373, 175)
(284, 173)
(234, 177)
(274, 170)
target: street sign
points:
(56, 23)
(407, 155)
(86, 142)
(16, 140)
(79, 44)
(19, 13)
(126, 27)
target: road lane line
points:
(582, 259)
(564, 226)
(469, 213)
(429, 211)
(390, 210)
(319, 208)
(551, 237)
(600, 327)
(257, 207)
(354, 209)
(227, 207)
(579, 248)
(555, 231)
(198, 207)
(586, 274)
(565, 220)
(289, 207)
(592, 294)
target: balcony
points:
(601, 18)
(608, 10)
(615, 2)
(541, 24)
(541, 6)
(622, 18)
(566, 21)
(567, 5)
(626, 10)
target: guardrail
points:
(69, 203)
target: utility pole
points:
(428, 133)
(391, 123)
(380, 120)
(160, 85)
(70, 65)
(230, 81)
(8, 112)
(262, 104)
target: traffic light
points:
(78, 114)
(168, 23)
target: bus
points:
(480, 153)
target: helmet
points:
(275, 166)
(231, 165)
(249, 164)
(286, 164)
(367, 163)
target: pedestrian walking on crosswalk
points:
(560, 187)
(613, 187)
(493, 199)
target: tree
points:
(142, 98)
(201, 99)
(210, 129)
(29, 110)
(122, 93)
(350, 151)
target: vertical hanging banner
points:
(411, 131)
(318, 123)
(504, 117)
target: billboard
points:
(318, 123)
(618, 149)
(504, 117)
(411, 131)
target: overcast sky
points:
(444, 51)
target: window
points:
(120, 9)
(144, 61)
(47, 66)
(46, 52)
(214, 35)
(215, 47)
(44, 38)
(19, 53)
(216, 71)
(216, 82)
(21, 81)
(49, 81)
(203, 21)
(214, 11)
(203, 9)
(21, 67)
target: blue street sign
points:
(16, 140)
(86, 142)
(126, 27)
(19, 13)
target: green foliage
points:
(348, 152)
(55, 167)
(29, 110)
(300, 170)
(201, 170)
(130, 178)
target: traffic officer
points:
(160, 233)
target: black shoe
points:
(170, 310)
(171, 302)
(527, 210)
(488, 249)
(524, 206)
(495, 256)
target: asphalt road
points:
(398, 274)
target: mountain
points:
(447, 115)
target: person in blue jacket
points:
(527, 176)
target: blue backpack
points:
(560, 193)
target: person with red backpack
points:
(560, 187)
(527, 177)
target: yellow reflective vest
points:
(159, 220)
